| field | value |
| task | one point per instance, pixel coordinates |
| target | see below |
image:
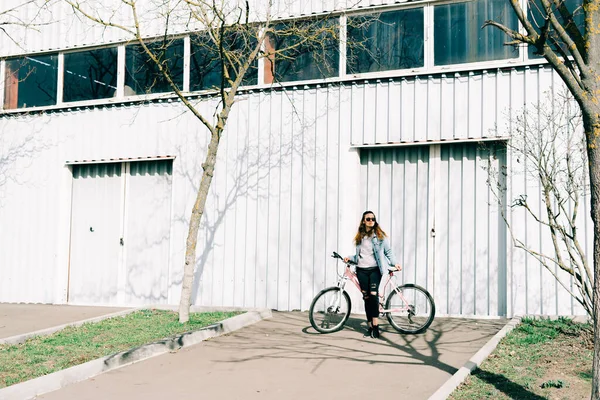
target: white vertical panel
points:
(297, 178)
(230, 173)
(262, 206)
(434, 108)
(323, 128)
(468, 233)
(517, 179)
(422, 218)
(276, 157)
(398, 193)
(447, 107)
(421, 109)
(369, 113)
(252, 222)
(407, 111)
(483, 227)
(238, 135)
(147, 238)
(475, 106)
(357, 113)
(442, 235)
(489, 106)
(307, 198)
(95, 234)
(395, 111)
(382, 110)
(532, 191)
(461, 106)
(285, 201)
(455, 229)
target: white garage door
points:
(120, 233)
(443, 220)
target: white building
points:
(99, 165)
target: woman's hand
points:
(398, 267)
(346, 259)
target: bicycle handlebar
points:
(336, 255)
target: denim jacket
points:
(381, 248)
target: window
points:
(459, 38)
(303, 50)
(205, 60)
(142, 75)
(90, 75)
(386, 41)
(536, 16)
(30, 82)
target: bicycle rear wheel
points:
(411, 309)
(329, 310)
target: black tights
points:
(369, 279)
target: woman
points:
(371, 248)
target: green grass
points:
(76, 345)
(539, 359)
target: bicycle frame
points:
(351, 276)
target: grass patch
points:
(539, 359)
(76, 345)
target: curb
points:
(48, 331)
(48, 383)
(459, 376)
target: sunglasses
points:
(368, 219)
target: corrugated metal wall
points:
(287, 192)
(48, 33)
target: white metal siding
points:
(287, 189)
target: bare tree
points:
(573, 50)
(230, 38)
(11, 18)
(548, 143)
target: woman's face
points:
(369, 221)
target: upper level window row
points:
(296, 51)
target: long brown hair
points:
(362, 229)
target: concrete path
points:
(284, 358)
(19, 319)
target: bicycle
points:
(409, 308)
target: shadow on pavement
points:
(446, 345)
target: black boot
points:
(375, 332)
(369, 333)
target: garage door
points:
(443, 220)
(120, 233)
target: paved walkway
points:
(19, 319)
(284, 358)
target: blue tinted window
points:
(90, 75)
(386, 41)
(459, 38)
(142, 75)
(303, 50)
(31, 82)
(205, 61)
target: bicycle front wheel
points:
(410, 309)
(329, 310)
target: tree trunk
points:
(192, 238)
(591, 122)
